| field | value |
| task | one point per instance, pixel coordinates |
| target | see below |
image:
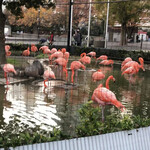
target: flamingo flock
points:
(101, 95)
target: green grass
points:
(13, 61)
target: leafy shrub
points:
(16, 134)
(91, 124)
(17, 49)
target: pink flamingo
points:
(7, 48)
(134, 64)
(48, 74)
(53, 50)
(92, 54)
(7, 69)
(62, 62)
(102, 57)
(98, 75)
(85, 59)
(125, 61)
(43, 47)
(131, 70)
(65, 54)
(8, 53)
(75, 65)
(26, 52)
(34, 48)
(107, 62)
(46, 51)
(55, 55)
(104, 96)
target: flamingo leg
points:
(6, 77)
(65, 70)
(60, 71)
(44, 83)
(72, 75)
(76, 76)
(103, 107)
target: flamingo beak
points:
(122, 108)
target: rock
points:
(34, 70)
(20, 73)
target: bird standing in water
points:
(92, 54)
(75, 65)
(48, 74)
(127, 59)
(34, 48)
(62, 62)
(26, 52)
(134, 64)
(103, 96)
(7, 69)
(98, 75)
(7, 50)
(107, 62)
(85, 59)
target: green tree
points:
(127, 13)
(15, 7)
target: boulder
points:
(34, 70)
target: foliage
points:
(13, 61)
(16, 133)
(16, 7)
(91, 124)
(128, 14)
(43, 18)
(16, 50)
(96, 27)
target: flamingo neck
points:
(83, 54)
(107, 81)
(141, 65)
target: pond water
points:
(57, 105)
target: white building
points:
(7, 30)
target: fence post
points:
(141, 42)
(69, 26)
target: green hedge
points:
(17, 49)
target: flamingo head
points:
(141, 60)
(122, 108)
(63, 50)
(101, 85)
(99, 70)
(119, 105)
(111, 61)
(111, 78)
(83, 54)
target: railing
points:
(137, 139)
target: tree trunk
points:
(123, 35)
(2, 36)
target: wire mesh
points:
(57, 105)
